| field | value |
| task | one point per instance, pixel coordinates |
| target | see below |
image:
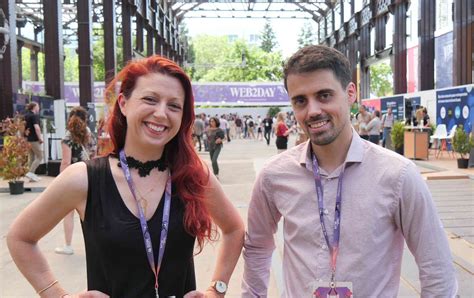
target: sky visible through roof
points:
(286, 30)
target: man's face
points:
(389, 111)
(321, 105)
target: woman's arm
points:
(66, 193)
(220, 135)
(287, 130)
(66, 161)
(227, 218)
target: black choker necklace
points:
(144, 168)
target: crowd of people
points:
(152, 199)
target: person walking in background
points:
(238, 127)
(74, 149)
(267, 128)
(35, 138)
(250, 128)
(225, 126)
(346, 213)
(143, 207)
(259, 128)
(387, 124)
(282, 132)
(373, 128)
(363, 119)
(215, 135)
(426, 118)
(199, 130)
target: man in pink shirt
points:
(346, 215)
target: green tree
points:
(25, 64)
(71, 65)
(98, 52)
(268, 38)
(306, 36)
(273, 111)
(205, 49)
(236, 62)
(381, 77)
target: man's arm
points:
(38, 132)
(425, 236)
(259, 244)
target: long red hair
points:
(188, 174)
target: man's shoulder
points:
(286, 161)
(377, 154)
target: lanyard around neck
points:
(143, 223)
(334, 244)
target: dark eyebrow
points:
(324, 91)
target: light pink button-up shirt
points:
(384, 203)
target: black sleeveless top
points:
(117, 263)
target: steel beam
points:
(110, 60)
(427, 26)
(463, 42)
(9, 63)
(400, 48)
(54, 52)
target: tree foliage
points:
(268, 38)
(236, 62)
(273, 111)
(26, 66)
(306, 36)
(381, 78)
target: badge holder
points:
(339, 290)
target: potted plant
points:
(14, 154)
(397, 135)
(462, 144)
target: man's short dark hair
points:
(315, 57)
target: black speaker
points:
(53, 167)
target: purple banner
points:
(210, 94)
(71, 90)
(240, 94)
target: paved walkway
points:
(240, 160)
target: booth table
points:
(416, 142)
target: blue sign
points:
(397, 105)
(454, 107)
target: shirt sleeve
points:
(425, 236)
(259, 243)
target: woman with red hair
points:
(144, 205)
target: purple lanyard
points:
(144, 225)
(334, 245)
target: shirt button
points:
(326, 211)
(324, 247)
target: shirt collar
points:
(354, 155)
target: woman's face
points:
(154, 110)
(212, 123)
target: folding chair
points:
(446, 142)
(439, 134)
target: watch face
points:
(221, 287)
